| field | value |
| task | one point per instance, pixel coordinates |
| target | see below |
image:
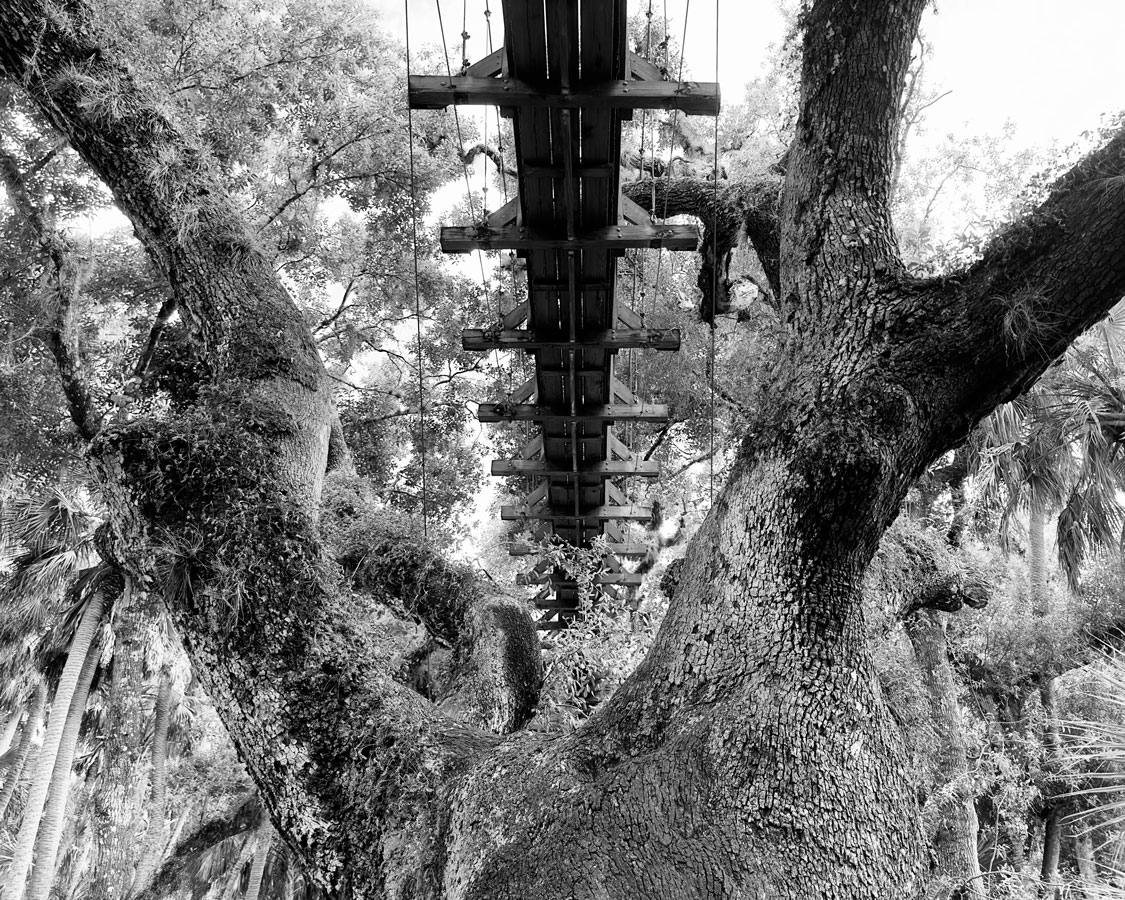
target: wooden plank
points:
(516, 317)
(620, 339)
(634, 512)
(694, 98)
(466, 238)
(532, 448)
(626, 550)
(631, 212)
(635, 468)
(628, 317)
(525, 392)
(535, 172)
(612, 412)
(506, 215)
(620, 393)
(641, 69)
(489, 67)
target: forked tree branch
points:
(60, 333)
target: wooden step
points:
(614, 412)
(617, 339)
(635, 468)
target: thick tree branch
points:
(991, 331)
(60, 333)
(749, 208)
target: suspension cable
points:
(714, 263)
(417, 294)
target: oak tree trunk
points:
(751, 754)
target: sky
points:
(1050, 67)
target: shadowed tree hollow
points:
(751, 753)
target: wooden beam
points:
(517, 316)
(698, 98)
(528, 412)
(489, 67)
(539, 172)
(525, 392)
(623, 579)
(641, 69)
(626, 550)
(631, 212)
(506, 215)
(636, 468)
(559, 287)
(466, 238)
(633, 512)
(620, 339)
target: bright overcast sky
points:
(1049, 66)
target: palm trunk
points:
(1087, 865)
(1049, 884)
(152, 845)
(54, 812)
(1037, 557)
(45, 764)
(12, 778)
(9, 733)
(258, 868)
(955, 836)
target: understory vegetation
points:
(994, 608)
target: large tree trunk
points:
(152, 844)
(41, 781)
(751, 754)
(956, 860)
(114, 809)
(53, 821)
(31, 726)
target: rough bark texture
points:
(152, 842)
(955, 863)
(1037, 558)
(41, 781)
(246, 817)
(15, 771)
(114, 813)
(751, 754)
(53, 820)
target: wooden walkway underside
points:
(567, 80)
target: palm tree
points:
(151, 843)
(18, 758)
(49, 542)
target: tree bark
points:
(152, 844)
(258, 866)
(956, 860)
(114, 808)
(15, 772)
(1087, 864)
(1050, 885)
(1037, 558)
(751, 753)
(53, 819)
(11, 727)
(41, 781)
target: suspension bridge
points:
(567, 80)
